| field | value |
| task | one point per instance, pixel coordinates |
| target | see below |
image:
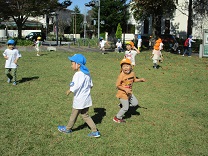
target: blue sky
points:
(80, 4)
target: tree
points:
(64, 20)
(77, 27)
(20, 10)
(119, 31)
(143, 9)
(112, 13)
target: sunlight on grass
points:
(174, 123)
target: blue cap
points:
(139, 37)
(12, 42)
(80, 59)
(190, 36)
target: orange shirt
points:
(124, 80)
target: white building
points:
(178, 25)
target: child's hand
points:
(68, 92)
(6, 57)
(142, 80)
(15, 61)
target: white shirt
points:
(119, 45)
(131, 56)
(12, 56)
(81, 85)
(102, 43)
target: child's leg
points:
(7, 72)
(88, 119)
(73, 118)
(154, 62)
(124, 109)
(14, 74)
(133, 101)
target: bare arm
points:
(139, 80)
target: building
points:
(177, 25)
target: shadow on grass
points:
(97, 118)
(25, 79)
(132, 111)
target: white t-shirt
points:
(12, 56)
(102, 43)
(81, 85)
(119, 45)
(131, 56)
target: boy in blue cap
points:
(12, 55)
(81, 85)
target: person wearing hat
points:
(12, 55)
(102, 45)
(81, 86)
(156, 53)
(37, 45)
(187, 48)
(124, 85)
(131, 52)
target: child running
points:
(124, 85)
(156, 53)
(12, 55)
(131, 52)
(37, 45)
(81, 85)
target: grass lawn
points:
(174, 123)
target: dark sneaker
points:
(63, 129)
(14, 83)
(94, 134)
(115, 119)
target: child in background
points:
(102, 45)
(37, 45)
(81, 85)
(119, 46)
(187, 47)
(12, 56)
(131, 52)
(156, 53)
(139, 44)
(124, 85)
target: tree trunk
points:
(190, 19)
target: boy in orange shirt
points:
(124, 85)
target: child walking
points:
(124, 85)
(156, 53)
(81, 85)
(37, 45)
(12, 55)
(131, 52)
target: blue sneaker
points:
(94, 134)
(8, 80)
(14, 83)
(63, 129)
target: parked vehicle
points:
(33, 36)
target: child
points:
(131, 52)
(119, 46)
(37, 45)
(12, 56)
(156, 53)
(187, 46)
(124, 85)
(81, 85)
(139, 44)
(102, 45)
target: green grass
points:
(174, 123)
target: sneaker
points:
(38, 55)
(118, 120)
(14, 83)
(8, 80)
(63, 129)
(183, 55)
(94, 134)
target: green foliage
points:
(112, 12)
(119, 31)
(77, 20)
(174, 123)
(23, 42)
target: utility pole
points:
(98, 19)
